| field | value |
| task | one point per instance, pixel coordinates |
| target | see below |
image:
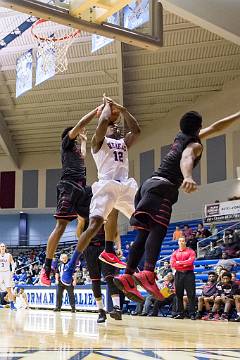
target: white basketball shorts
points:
(6, 279)
(109, 194)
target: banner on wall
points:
(224, 211)
(24, 73)
(136, 14)
(99, 41)
(45, 298)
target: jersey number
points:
(118, 155)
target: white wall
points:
(157, 134)
(213, 107)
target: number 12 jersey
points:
(112, 160)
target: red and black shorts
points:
(95, 266)
(73, 199)
(153, 203)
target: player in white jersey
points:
(6, 273)
(113, 189)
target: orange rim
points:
(43, 38)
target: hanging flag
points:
(99, 41)
(24, 73)
(136, 14)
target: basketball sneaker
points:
(102, 317)
(67, 274)
(112, 259)
(127, 285)
(116, 313)
(44, 278)
(146, 279)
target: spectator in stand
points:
(206, 300)
(226, 263)
(177, 233)
(187, 232)
(192, 243)
(236, 298)
(165, 269)
(182, 260)
(234, 278)
(152, 306)
(22, 277)
(202, 232)
(226, 290)
(213, 229)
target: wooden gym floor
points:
(43, 334)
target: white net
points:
(53, 43)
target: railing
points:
(201, 251)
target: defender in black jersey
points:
(73, 196)
(96, 268)
(156, 196)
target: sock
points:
(238, 313)
(12, 304)
(74, 259)
(47, 266)
(153, 246)
(116, 301)
(109, 247)
(136, 251)
(99, 304)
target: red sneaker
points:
(127, 285)
(44, 278)
(146, 279)
(112, 259)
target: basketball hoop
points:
(53, 43)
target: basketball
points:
(114, 116)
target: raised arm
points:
(189, 155)
(133, 126)
(83, 137)
(101, 130)
(81, 124)
(219, 125)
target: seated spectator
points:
(208, 295)
(21, 299)
(226, 263)
(213, 253)
(22, 277)
(152, 306)
(213, 230)
(226, 290)
(177, 233)
(202, 232)
(234, 279)
(192, 243)
(165, 269)
(29, 280)
(187, 232)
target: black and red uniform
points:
(73, 196)
(154, 199)
(153, 205)
(97, 268)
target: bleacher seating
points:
(202, 267)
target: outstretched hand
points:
(113, 103)
(189, 185)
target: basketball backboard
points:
(91, 16)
